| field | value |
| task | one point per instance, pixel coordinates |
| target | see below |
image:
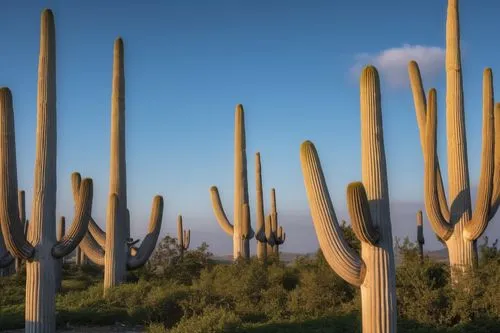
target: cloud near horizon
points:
(393, 63)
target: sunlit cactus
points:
(420, 235)
(277, 232)
(114, 248)
(260, 233)
(40, 249)
(241, 229)
(368, 205)
(457, 225)
(183, 236)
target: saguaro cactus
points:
(456, 225)
(61, 230)
(183, 236)
(368, 205)
(41, 250)
(241, 230)
(6, 267)
(260, 234)
(278, 234)
(114, 248)
(420, 235)
(21, 201)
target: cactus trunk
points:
(368, 204)
(259, 207)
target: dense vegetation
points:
(192, 293)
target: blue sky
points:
(294, 65)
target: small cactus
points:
(241, 230)
(420, 235)
(183, 236)
(277, 232)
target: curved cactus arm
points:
(270, 238)
(220, 215)
(12, 230)
(280, 236)
(148, 244)
(479, 221)
(495, 198)
(420, 103)
(96, 232)
(92, 250)
(80, 222)
(342, 258)
(439, 224)
(21, 204)
(359, 211)
(6, 260)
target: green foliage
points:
(193, 294)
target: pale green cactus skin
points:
(114, 248)
(241, 229)
(40, 249)
(457, 226)
(368, 205)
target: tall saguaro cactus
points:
(114, 248)
(21, 201)
(183, 236)
(368, 205)
(420, 235)
(260, 234)
(457, 225)
(40, 250)
(6, 267)
(241, 229)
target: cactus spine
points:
(241, 230)
(368, 205)
(183, 236)
(420, 235)
(114, 248)
(457, 226)
(40, 250)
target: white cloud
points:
(393, 63)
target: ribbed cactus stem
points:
(278, 233)
(42, 250)
(113, 265)
(460, 228)
(368, 203)
(241, 229)
(260, 233)
(420, 235)
(21, 201)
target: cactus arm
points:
(495, 198)
(148, 244)
(440, 226)
(271, 240)
(420, 103)
(12, 230)
(341, 258)
(96, 231)
(359, 211)
(6, 260)
(220, 215)
(80, 222)
(282, 234)
(246, 227)
(479, 221)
